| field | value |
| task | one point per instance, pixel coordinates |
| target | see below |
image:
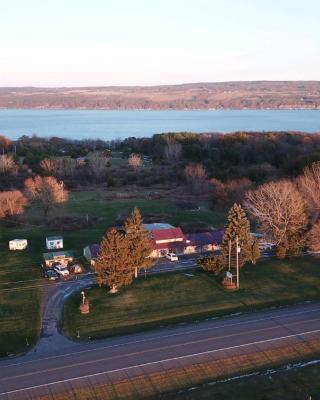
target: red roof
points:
(168, 234)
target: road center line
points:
(155, 349)
(160, 361)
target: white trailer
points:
(54, 242)
(18, 244)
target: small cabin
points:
(54, 242)
(58, 258)
(18, 244)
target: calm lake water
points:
(81, 124)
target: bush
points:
(213, 264)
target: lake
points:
(107, 125)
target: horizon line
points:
(161, 85)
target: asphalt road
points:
(98, 362)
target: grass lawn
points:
(20, 306)
(297, 384)
(118, 161)
(176, 297)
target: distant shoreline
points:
(242, 95)
(160, 110)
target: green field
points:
(20, 271)
(177, 297)
(296, 384)
(19, 307)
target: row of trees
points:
(46, 192)
(254, 156)
(287, 212)
(123, 253)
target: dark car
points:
(51, 275)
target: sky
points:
(148, 42)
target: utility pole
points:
(237, 260)
(229, 255)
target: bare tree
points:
(99, 165)
(309, 186)
(4, 143)
(135, 161)
(280, 211)
(195, 175)
(12, 203)
(314, 237)
(60, 167)
(173, 150)
(230, 192)
(7, 164)
(47, 191)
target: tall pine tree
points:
(237, 226)
(138, 241)
(113, 266)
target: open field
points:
(178, 297)
(19, 307)
(20, 271)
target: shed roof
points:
(54, 238)
(53, 254)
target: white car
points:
(266, 246)
(172, 257)
(61, 270)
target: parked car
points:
(61, 270)
(266, 246)
(172, 257)
(76, 269)
(51, 275)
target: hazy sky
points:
(128, 42)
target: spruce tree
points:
(139, 242)
(237, 226)
(113, 266)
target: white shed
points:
(18, 244)
(54, 242)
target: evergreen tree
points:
(237, 226)
(139, 242)
(113, 266)
(255, 251)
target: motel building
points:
(173, 240)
